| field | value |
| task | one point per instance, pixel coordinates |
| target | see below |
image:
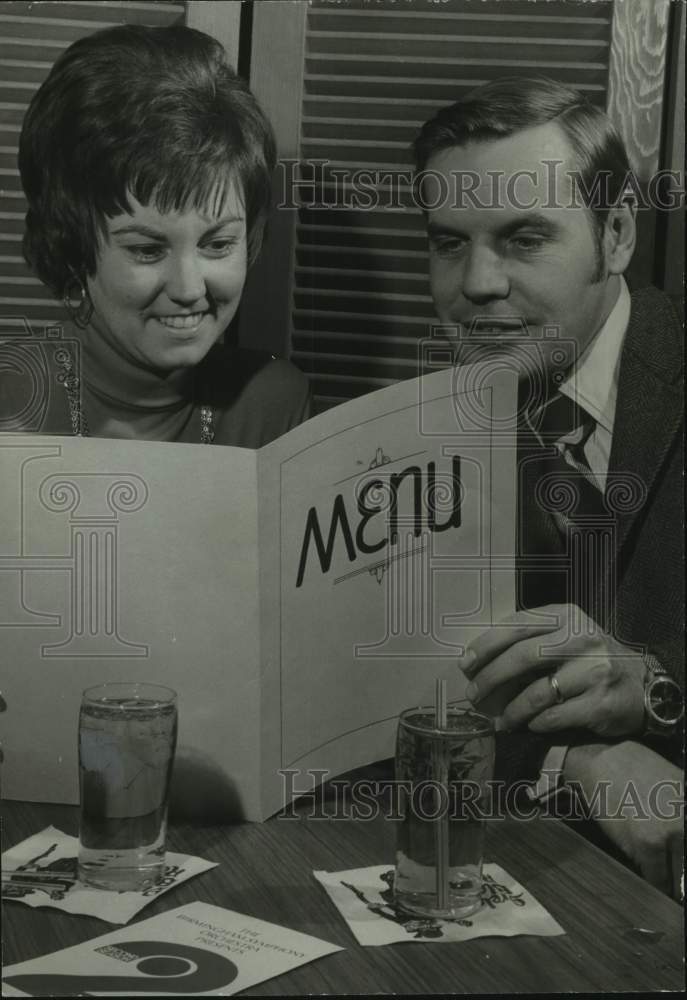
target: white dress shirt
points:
(593, 384)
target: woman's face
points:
(167, 285)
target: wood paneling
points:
(636, 78)
(636, 85)
(671, 227)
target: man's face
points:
(515, 268)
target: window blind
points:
(32, 35)
(373, 73)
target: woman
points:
(146, 164)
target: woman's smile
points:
(185, 322)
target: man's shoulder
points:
(650, 304)
(655, 333)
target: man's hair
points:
(503, 107)
(156, 113)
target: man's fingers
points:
(564, 630)
(500, 637)
(521, 660)
(572, 714)
(541, 700)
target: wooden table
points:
(265, 871)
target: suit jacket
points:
(639, 595)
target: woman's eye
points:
(221, 247)
(146, 253)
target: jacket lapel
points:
(649, 407)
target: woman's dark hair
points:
(498, 109)
(153, 112)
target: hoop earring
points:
(77, 301)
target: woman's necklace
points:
(71, 382)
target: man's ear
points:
(620, 235)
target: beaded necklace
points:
(71, 382)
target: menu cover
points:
(297, 597)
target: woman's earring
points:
(77, 301)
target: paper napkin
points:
(198, 950)
(41, 871)
(364, 898)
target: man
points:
(531, 226)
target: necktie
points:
(567, 427)
(575, 501)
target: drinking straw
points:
(441, 827)
(440, 696)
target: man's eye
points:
(447, 247)
(524, 242)
(146, 252)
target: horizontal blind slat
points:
(416, 65)
(22, 17)
(350, 17)
(443, 91)
(409, 256)
(98, 9)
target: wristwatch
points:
(664, 704)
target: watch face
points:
(665, 701)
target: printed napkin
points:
(194, 950)
(41, 871)
(364, 898)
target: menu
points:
(297, 597)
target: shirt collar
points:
(593, 382)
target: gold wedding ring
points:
(556, 688)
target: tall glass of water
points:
(444, 774)
(127, 738)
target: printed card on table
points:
(364, 898)
(41, 871)
(195, 950)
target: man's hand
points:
(638, 801)
(600, 681)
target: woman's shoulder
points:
(257, 396)
(228, 372)
(267, 371)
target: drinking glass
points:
(127, 738)
(444, 775)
